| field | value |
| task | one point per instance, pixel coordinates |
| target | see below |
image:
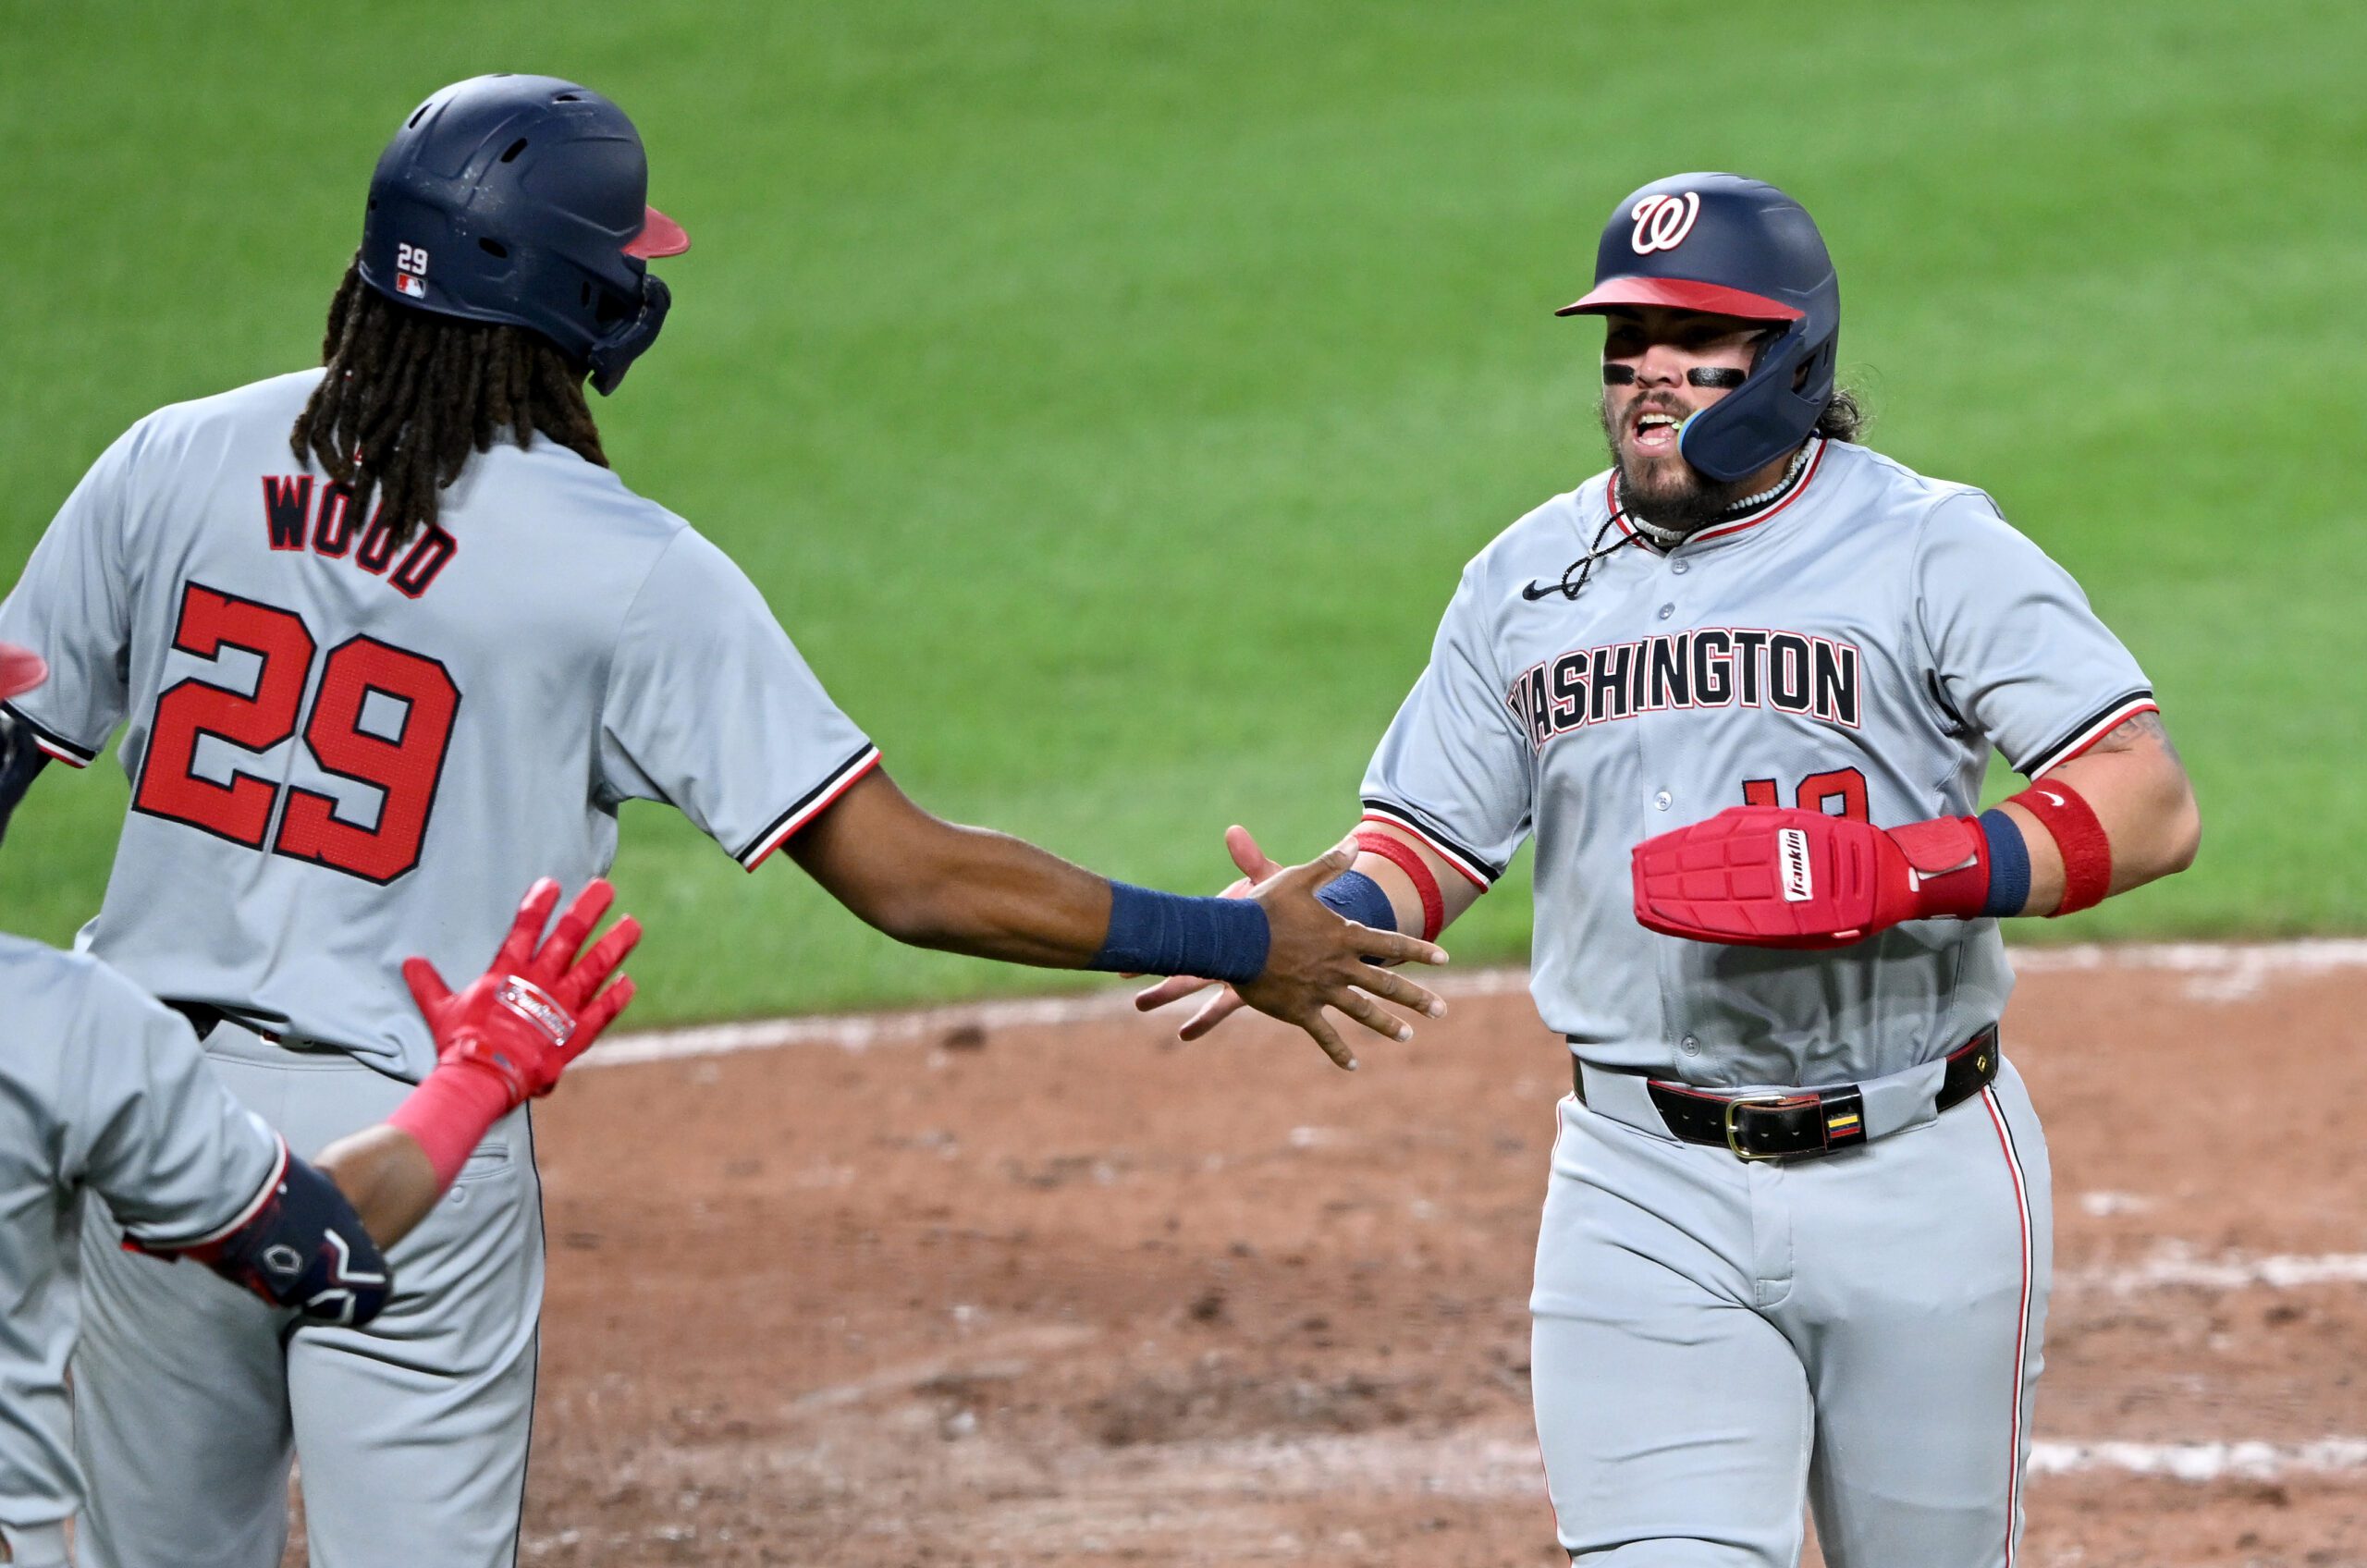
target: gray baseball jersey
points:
(1858, 645)
(345, 749)
(101, 1091)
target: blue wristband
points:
(1156, 933)
(2009, 864)
(1353, 896)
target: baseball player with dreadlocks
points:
(374, 683)
(103, 1091)
(1742, 690)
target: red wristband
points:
(451, 1112)
(1408, 859)
(2087, 848)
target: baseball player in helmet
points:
(1742, 690)
(104, 1092)
(391, 639)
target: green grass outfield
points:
(1106, 395)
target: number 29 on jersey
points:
(396, 745)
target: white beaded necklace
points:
(1670, 538)
(1799, 462)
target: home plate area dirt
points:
(1040, 1286)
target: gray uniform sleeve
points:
(2016, 652)
(1453, 770)
(711, 709)
(72, 608)
(176, 1157)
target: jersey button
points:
(1690, 1045)
(1661, 800)
(1667, 610)
(1680, 568)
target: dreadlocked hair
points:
(410, 396)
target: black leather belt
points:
(1802, 1125)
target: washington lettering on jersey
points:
(291, 521)
(1704, 668)
(1947, 638)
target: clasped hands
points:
(1317, 958)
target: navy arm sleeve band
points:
(1353, 896)
(303, 1247)
(1156, 933)
(2009, 864)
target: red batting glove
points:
(1770, 877)
(508, 1037)
(535, 1009)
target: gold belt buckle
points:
(1734, 1107)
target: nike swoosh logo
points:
(1533, 592)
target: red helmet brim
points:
(659, 236)
(21, 669)
(1681, 294)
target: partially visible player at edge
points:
(1701, 680)
(104, 1091)
(391, 639)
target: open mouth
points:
(1654, 432)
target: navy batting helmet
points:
(1735, 247)
(522, 199)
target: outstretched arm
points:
(934, 884)
(930, 883)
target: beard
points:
(1667, 492)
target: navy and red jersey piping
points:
(240, 1220)
(67, 752)
(2088, 730)
(808, 806)
(1474, 868)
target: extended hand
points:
(1315, 959)
(1256, 867)
(536, 1009)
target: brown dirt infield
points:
(1074, 1294)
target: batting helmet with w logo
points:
(1731, 247)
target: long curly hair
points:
(408, 396)
(1845, 417)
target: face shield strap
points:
(614, 352)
